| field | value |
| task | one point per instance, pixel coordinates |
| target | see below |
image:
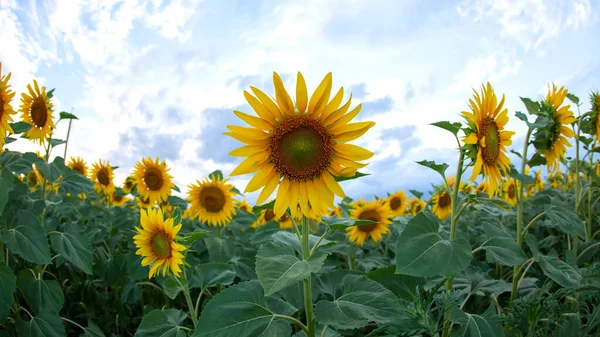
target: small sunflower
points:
(265, 216)
(487, 135)
(36, 109)
(416, 206)
(510, 191)
(285, 222)
(144, 202)
(119, 200)
(212, 200)
(376, 211)
(152, 179)
(539, 182)
(595, 115)
(128, 185)
(103, 177)
(299, 146)
(78, 164)
(6, 110)
(397, 203)
(156, 242)
(34, 177)
(441, 204)
(481, 187)
(243, 205)
(555, 179)
(336, 212)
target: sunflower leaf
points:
(536, 160)
(8, 285)
(176, 216)
(175, 188)
(404, 286)
(216, 174)
(194, 236)
(66, 115)
(452, 127)
(336, 224)
(159, 323)
(56, 142)
(439, 168)
(516, 153)
(355, 176)
(522, 117)
(559, 271)
(566, 220)
(573, 98)
(50, 93)
(46, 324)
(92, 330)
(532, 106)
(27, 239)
(501, 247)
(416, 193)
(20, 127)
(6, 185)
(258, 208)
(486, 324)
(524, 178)
(41, 295)
(74, 247)
(208, 275)
(177, 201)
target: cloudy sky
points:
(161, 78)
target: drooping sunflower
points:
(397, 203)
(37, 110)
(153, 179)
(377, 211)
(441, 204)
(212, 200)
(243, 205)
(119, 200)
(265, 216)
(78, 164)
(6, 110)
(416, 206)
(128, 185)
(487, 137)
(156, 242)
(103, 177)
(510, 191)
(555, 179)
(299, 147)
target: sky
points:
(161, 78)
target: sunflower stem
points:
(576, 178)
(188, 298)
(531, 223)
(308, 306)
(68, 134)
(590, 207)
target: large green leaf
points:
(363, 301)
(92, 330)
(240, 311)
(565, 219)
(74, 247)
(46, 324)
(559, 271)
(8, 284)
(158, 323)
(172, 288)
(209, 275)
(501, 247)
(27, 239)
(219, 250)
(403, 286)
(5, 187)
(40, 295)
(422, 252)
(472, 325)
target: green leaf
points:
(175, 188)
(403, 286)
(566, 220)
(416, 193)
(355, 176)
(158, 323)
(501, 247)
(525, 179)
(172, 288)
(439, 168)
(217, 174)
(8, 284)
(522, 117)
(50, 93)
(363, 301)
(51, 171)
(452, 127)
(92, 330)
(194, 236)
(573, 98)
(258, 208)
(46, 324)
(421, 251)
(473, 325)
(533, 107)
(20, 127)
(27, 239)
(40, 295)
(74, 247)
(336, 224)
(559, 271)
(176, 215)
(219, 250)
(5, 187)
(515, 153)
(240, 311)
(209, 275)
(177, 201)
(56, 142)
(66, 115)
(131, 293)
(536, 160)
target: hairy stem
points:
(308, 306)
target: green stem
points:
(531, 223)
(589, 215)
(308, 306)
(293, 320)
(198, 300)
(587, 249)
(2, 252)
(577, 185)
(312, 251)
(188, 299)
(68, 134)
(74, 323)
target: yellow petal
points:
(332, 184)
(352, 135)
(353, 152)
(259, 108)
(266, 192)
(470, 139)
(282, 200)
(334, 116)
(267, 102)
(260, 179)
(334, 104)
(345, 119)
(321, 95)
(248, 132)
(244, 139)
(283, 98)
(246, 151)
(256, 122)
(250, 164)
(301, 93)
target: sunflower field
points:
(499, 248)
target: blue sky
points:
(161, 78)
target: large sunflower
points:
(299, 146)
(441, 204)
(416, 206)
(376, 211)
(488, 138)
(510, 191)
(156, 242)
(6, 110)
(79, 165)
(397, 203)
(103, 177)
(152, 179)
(212, 201)
(36, 109)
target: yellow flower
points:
(336, 212)
(103, 177)
(510, 191)
(441, 204)
(119, 200)
(152, 179)
(144, 203)
(243, 205)
(6, 110)
(156, 242)
(481, 187)
(397, 203)
(285, 222)
(416, 206)
(299, 147)
(265, 216)
(79, 165)
(212, 201)
(376, 211)
(487, 134)
(539, 182)
(36, 109)
(128, 185)
(34, 177)
(595, 115)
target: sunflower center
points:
(153, 178)
(491, 151)
(103, 177)
(301, 147)
(128, 184)
(395, 203)
(369, 215)
(161, 245)
(78, 167)
(512, 191)
(32, 178)
(39, 112)
(444, 200)
(419, 208)
(212, 199)
(118, 198)
(269, 215)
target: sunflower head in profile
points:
(157, 243)
(539, 184)
(6, 110)
(119, 200)
(244, 206)
(398, 202)
(77, 164)
(103, 177)
(265, 216)
(510, 191)
(37, 110)
(300, 147)
(378, 212)
(128, 185)
(441, 202)
(212, 200)
(152, 179)
(336, 212)
(481, 187)
(486, 139)
(416, 206)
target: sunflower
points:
(119, 200)
(103, 177)
(144, 202)
(416, 206)
(285, 221)
(481, 187)
(265, 216)
(336, 212)
(301, 147)
(128, 185)
(156, 242)
(555, 179)
(152, 179)
(442, 204)
(243, 205)
(510, 191)
(34, 177)
(595, 115)
(79, 165)
(398, 202)
(539, 182)
(212, 200)
(6, 110)
(377, 211)
(36, 109)
(487, 137)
